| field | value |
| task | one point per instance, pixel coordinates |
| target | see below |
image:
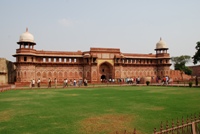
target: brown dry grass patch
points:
(45, 117)
(107, 123)
(6, 115)
(155, 108)
(71, 94)
(15, 99)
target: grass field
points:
(94, 110)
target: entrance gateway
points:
(103, 77)
(105, 71)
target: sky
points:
(134, 26)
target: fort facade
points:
(95, 65)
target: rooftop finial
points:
(160, 38)
(27, 29)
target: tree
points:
(196, 57)
(179, 63)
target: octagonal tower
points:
(163, 59)
(25, 57)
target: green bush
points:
(190, 84)
(147, 82)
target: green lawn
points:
(94, 110)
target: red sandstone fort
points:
(93, 65)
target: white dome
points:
(26, 37)
(161, 44)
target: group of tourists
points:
(65, 83)
(74, 82)
(133, 80)
(127, 80)
(32, 83)
(138, 80)
(108, 80)
(165, 80)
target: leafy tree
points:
(196, 57)
(179, 63)
(187, 70)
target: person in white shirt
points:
(74, 82)
(85, 82)
(113, 80)
(66, 82)
(38, 82)
(33, 83)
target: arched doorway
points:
(103, 77)
(105, 71)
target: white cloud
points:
(66, 22)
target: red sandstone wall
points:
(195, 70)
(138, 71)
(94, 74)
(28, 73)
(176, 75)
(87, 73)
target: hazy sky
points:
(134, 26)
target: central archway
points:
(103, 77)
(105, 71)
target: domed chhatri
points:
(161, 45)
(26, 37)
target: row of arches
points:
(104, 71)
(25, 76)
(142, 73)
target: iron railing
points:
(189, 126)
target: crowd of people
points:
(122, 80)
(73, 82)
(165, 80)
(66, 83)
